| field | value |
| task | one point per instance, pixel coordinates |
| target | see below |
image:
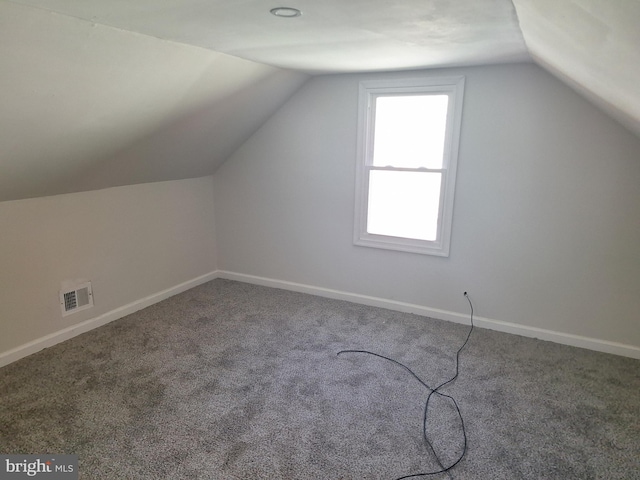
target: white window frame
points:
(452, 86)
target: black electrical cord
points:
(433, 391)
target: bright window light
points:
(407, 157)
(409, 131)
(404, 204)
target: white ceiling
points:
(93, 89)
(593, 45)
(330, 36)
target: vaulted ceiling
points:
(98, 94)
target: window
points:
(407, 154)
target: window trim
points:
(453, 86)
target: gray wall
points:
(130, 242)
(546, 224)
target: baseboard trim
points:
(498, 325)
(60, 336)
(491, 324)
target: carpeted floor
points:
(237, 381)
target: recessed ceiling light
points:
(286, 12)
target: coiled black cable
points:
(432, 392)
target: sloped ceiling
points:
(87, 106)
(330, 36)
(98, 94)
(593, 45)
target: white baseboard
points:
(526, 331)
(498, 325)
(74, 330)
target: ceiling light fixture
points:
(286, 12)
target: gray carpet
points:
(236, 381)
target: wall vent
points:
(79, 297)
